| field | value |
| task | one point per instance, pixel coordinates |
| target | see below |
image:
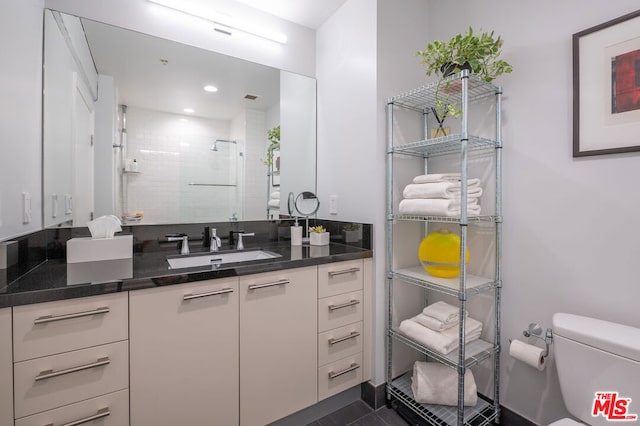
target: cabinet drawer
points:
(340, 310)
(339, 343)
(341, 277)
(107, 410)
(44, 383)
(66, 325)
(340, 375)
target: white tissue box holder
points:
(91, 250)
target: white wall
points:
(20, 125)
(569, 245)
(297, 55)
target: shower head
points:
(214, 147)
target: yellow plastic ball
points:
(439, 253)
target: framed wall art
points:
(606, 87)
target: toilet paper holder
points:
(535, 330)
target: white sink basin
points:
(194, 261)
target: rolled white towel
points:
(442, 342)
(434, 383)
(442, 190)
(437, 177)
(274, 203)
(275, 195)
(437, 207)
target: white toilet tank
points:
(595, 356)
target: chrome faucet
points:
(215, 243)
(240, 244)
(183, 244)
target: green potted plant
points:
(273, 136)
(318, 236)
(478, 52)
(352, 232)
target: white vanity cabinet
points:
(278, 344)
(343, 300)
(184, 354)
(70, 351)
(6, 376)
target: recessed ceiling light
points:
(210, 88)
(189, 110)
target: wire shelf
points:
(446, 219)
(476, 351)
(416, 275)
(423, 97)
(440, 415)
(450, 144)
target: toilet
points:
(595, 356)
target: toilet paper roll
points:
(529, 354)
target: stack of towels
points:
(436, 328)
(434, 383)
(274, 200)
(438, 194)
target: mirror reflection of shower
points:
(214, 147)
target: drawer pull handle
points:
(51, 318)
(48, 374)
(207, 294)
(345, 271)
(265, 285)
(351, 335)
(344, 305)
(353, 366)
(103, 412)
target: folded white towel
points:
(442, 342)
(434, 383)
(275, 195)
(437, 177)
(442, 311)
(274, 203)
(437, 207)
(442, 190)
(439, 316)
(434, 324)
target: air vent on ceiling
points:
(251, 97)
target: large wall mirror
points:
(130, 129)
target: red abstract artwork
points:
(625, 79)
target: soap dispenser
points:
(296, 234)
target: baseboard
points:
(374, 396)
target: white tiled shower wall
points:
(173, 151)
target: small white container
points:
(319, 238)
(296, 235)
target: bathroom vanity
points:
(244, 345)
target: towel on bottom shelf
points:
(442, 342)
(434, 383)
(437, 207)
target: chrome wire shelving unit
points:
(464, 90)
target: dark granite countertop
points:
(48, 281)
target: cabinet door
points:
(184, 354)
(6, 369)
(278, 344)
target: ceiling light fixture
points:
(223, 24)
(189, 110)
(210, 88)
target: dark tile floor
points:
(360, 414)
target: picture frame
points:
(606, 87)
